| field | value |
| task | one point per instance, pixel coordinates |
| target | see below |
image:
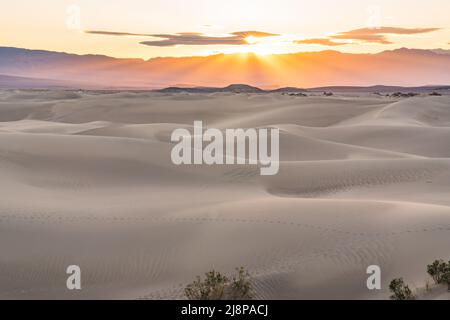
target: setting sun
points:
(251, 40)
(259, 45)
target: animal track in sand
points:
(49, 218)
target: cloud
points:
(378, 35)
(199, 39)
(368, 38)
(112, 33)
(319, 41)
(361, 35)
(391, 30)
(190, 38)
(366, 35)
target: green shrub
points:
(400, 291)
(216, 286)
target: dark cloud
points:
(319, 41)
(190, 38)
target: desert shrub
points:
(216, 286)
(400, 290)
(211, 288)
(445, 278)
(404, 95)
(437, 270)
(240, 287)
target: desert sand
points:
(87, 179)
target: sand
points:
(87, 179)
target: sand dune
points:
(87, 179)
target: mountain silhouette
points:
(401, 67)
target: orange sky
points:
(151, 28)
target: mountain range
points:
(402, 67)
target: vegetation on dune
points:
(216, 286)
(400, 290)
(404, 95)
(439, 271)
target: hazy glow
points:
(53, 24)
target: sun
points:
(260, 45)
(251, 40)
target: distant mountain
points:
(13, 82)
(289, 90)
(236, 88)
(233, 88)
(441, 51)
(401, 67)
(242, 88)
(86, 70)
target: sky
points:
(155, 28)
